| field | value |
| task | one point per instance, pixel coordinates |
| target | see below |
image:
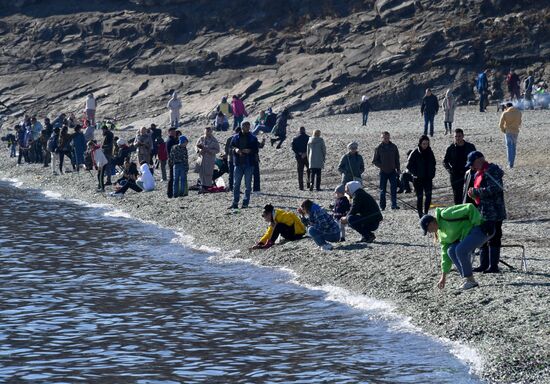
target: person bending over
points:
(281, 223)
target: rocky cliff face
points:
(317, 56)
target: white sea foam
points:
(13, 181)
(52, 195)
(117, 213)
(467, 354)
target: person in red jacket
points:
(162, 155)
(239, 112)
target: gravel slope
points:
(506, 319)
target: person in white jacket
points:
(90, 108)
(449, 106)
(146, 181)
(174, 105)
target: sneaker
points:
(233, 206)
(492, 270)
(244, 206)
(396, 207)
(326, 247)
(368, 239)
(108, 183)
(469, 284)
(342, 239)
(100, 190)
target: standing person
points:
(170, 142)
(64, 146)
(279, 130)
(256, 176)
(449, 106)
(299, 147)
(244, 147)
(225, 108)
(107, 148)
(341, 208)
(89, 132)
(23, 140)
(459, 230)
(421, 165)
(90, 107)
(228, 154)
(174, 106)
(99, 161)
(239, 111)
(455, 163)
(36, 128)
(364, 215)
(43, 140)
(512, 81)
(281, 223)
(316, 155)
(386, 158)
(510, 121)
(351, 165)
(365, 109)
(429, 108)
(482, 87)
(144, 145)
(179, 159)
(79, 147)
(162, 155)
(207, 147)
(321, 226)
(488, 193)
(53, 143)
(528, 83)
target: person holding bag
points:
(351, 165)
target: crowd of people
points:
(473, 221)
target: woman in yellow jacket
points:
(281, 223)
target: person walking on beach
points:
(207, 147)
(351, 165)
(174, 106)
(421, 166)
(429, 108)
(180, 163)
(316, 155)
(299, 147)
(238, 110)
(488, 194)
(510, 121)
(279, 130)
(528, 83)
(90, 107)
(449, 106)
(365, 109)
(482, 87)
(455, 163)
(244, 146)
(459, 231)
(321, 226)
(364, 215)
(386, 158)
(281, 223)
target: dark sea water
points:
(87, 298)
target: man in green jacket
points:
(458, 229)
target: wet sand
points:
(506, 319)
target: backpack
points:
(52, 144)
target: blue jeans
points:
(384, 178)
(237, 120)
(238, 173)
(180, 180)
(511, 143)
(12, 150)
(321, 238)
(261, 128)
(428, 120)
(459, 252)
(365, 117)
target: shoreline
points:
(505, 320)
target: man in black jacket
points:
(429, 108)
(364, 215)
(299, 147)
(107, 148)
(455, 163)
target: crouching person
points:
(364, 215)
(281, 223)
(322, 228)
(129, 180)
(459, 231)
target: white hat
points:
(121, 142)
(353, 186)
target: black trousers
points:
(100, 177)
(170, 184)
(286, 231)
(301, 164)
(130, 184)
(315, 178)
(364, 225)
(62, 155)
(423, 188)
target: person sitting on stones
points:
(321, 226)
(281, 223)
(364, 215)
(220, 122)
(146, 181)
(259, 125)
(129, 180)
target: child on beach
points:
(340, 208)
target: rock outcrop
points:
(317, 57)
